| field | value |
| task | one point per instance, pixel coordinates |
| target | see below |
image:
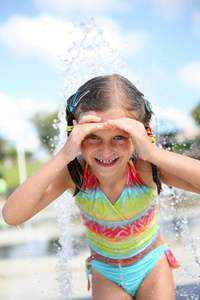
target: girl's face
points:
(107, 151)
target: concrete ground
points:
(35, 279)
(27, 274)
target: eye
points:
(93, 137)
(118, 137)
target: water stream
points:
(90, 56)
(180, 215)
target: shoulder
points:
(144, 169)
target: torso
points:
(123, 209)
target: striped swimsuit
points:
(122, 232)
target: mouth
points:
(106, 163)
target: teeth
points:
(106, 161)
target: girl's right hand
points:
(51, 180)
(87, 123)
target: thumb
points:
(74, 122)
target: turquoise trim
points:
(130, 277)
(114, 223)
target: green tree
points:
(7, 150)
(196, 114)
(47, 130)
(3, 146)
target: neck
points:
(114, 179)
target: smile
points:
(109, 162)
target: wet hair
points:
(101, 94)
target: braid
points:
(77, 174)
(156, 177)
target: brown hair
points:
(100, 94)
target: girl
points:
(111, 164)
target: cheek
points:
(85, 153)
(121, 145)
(83, 146)
(124, 145)
(125, 148)
(87, 149)
(84, 149)
(88, 145)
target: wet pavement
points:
(29, 261)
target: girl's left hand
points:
(139, 136)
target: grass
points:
(11, 174)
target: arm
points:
(39, 190)
(50, 181)
(174, 169)
(177, 170)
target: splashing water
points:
(62, 207)
(90, 56)
(22, 232)
(178, 211)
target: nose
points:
(106, 151)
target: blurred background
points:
(159, 44)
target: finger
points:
(117, 123)
(110, 124)
(92, 127)
(82, 130)
(126, 123)
(88, 119)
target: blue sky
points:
(158, 40)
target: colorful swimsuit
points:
(122, 232)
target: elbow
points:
(8, 218)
